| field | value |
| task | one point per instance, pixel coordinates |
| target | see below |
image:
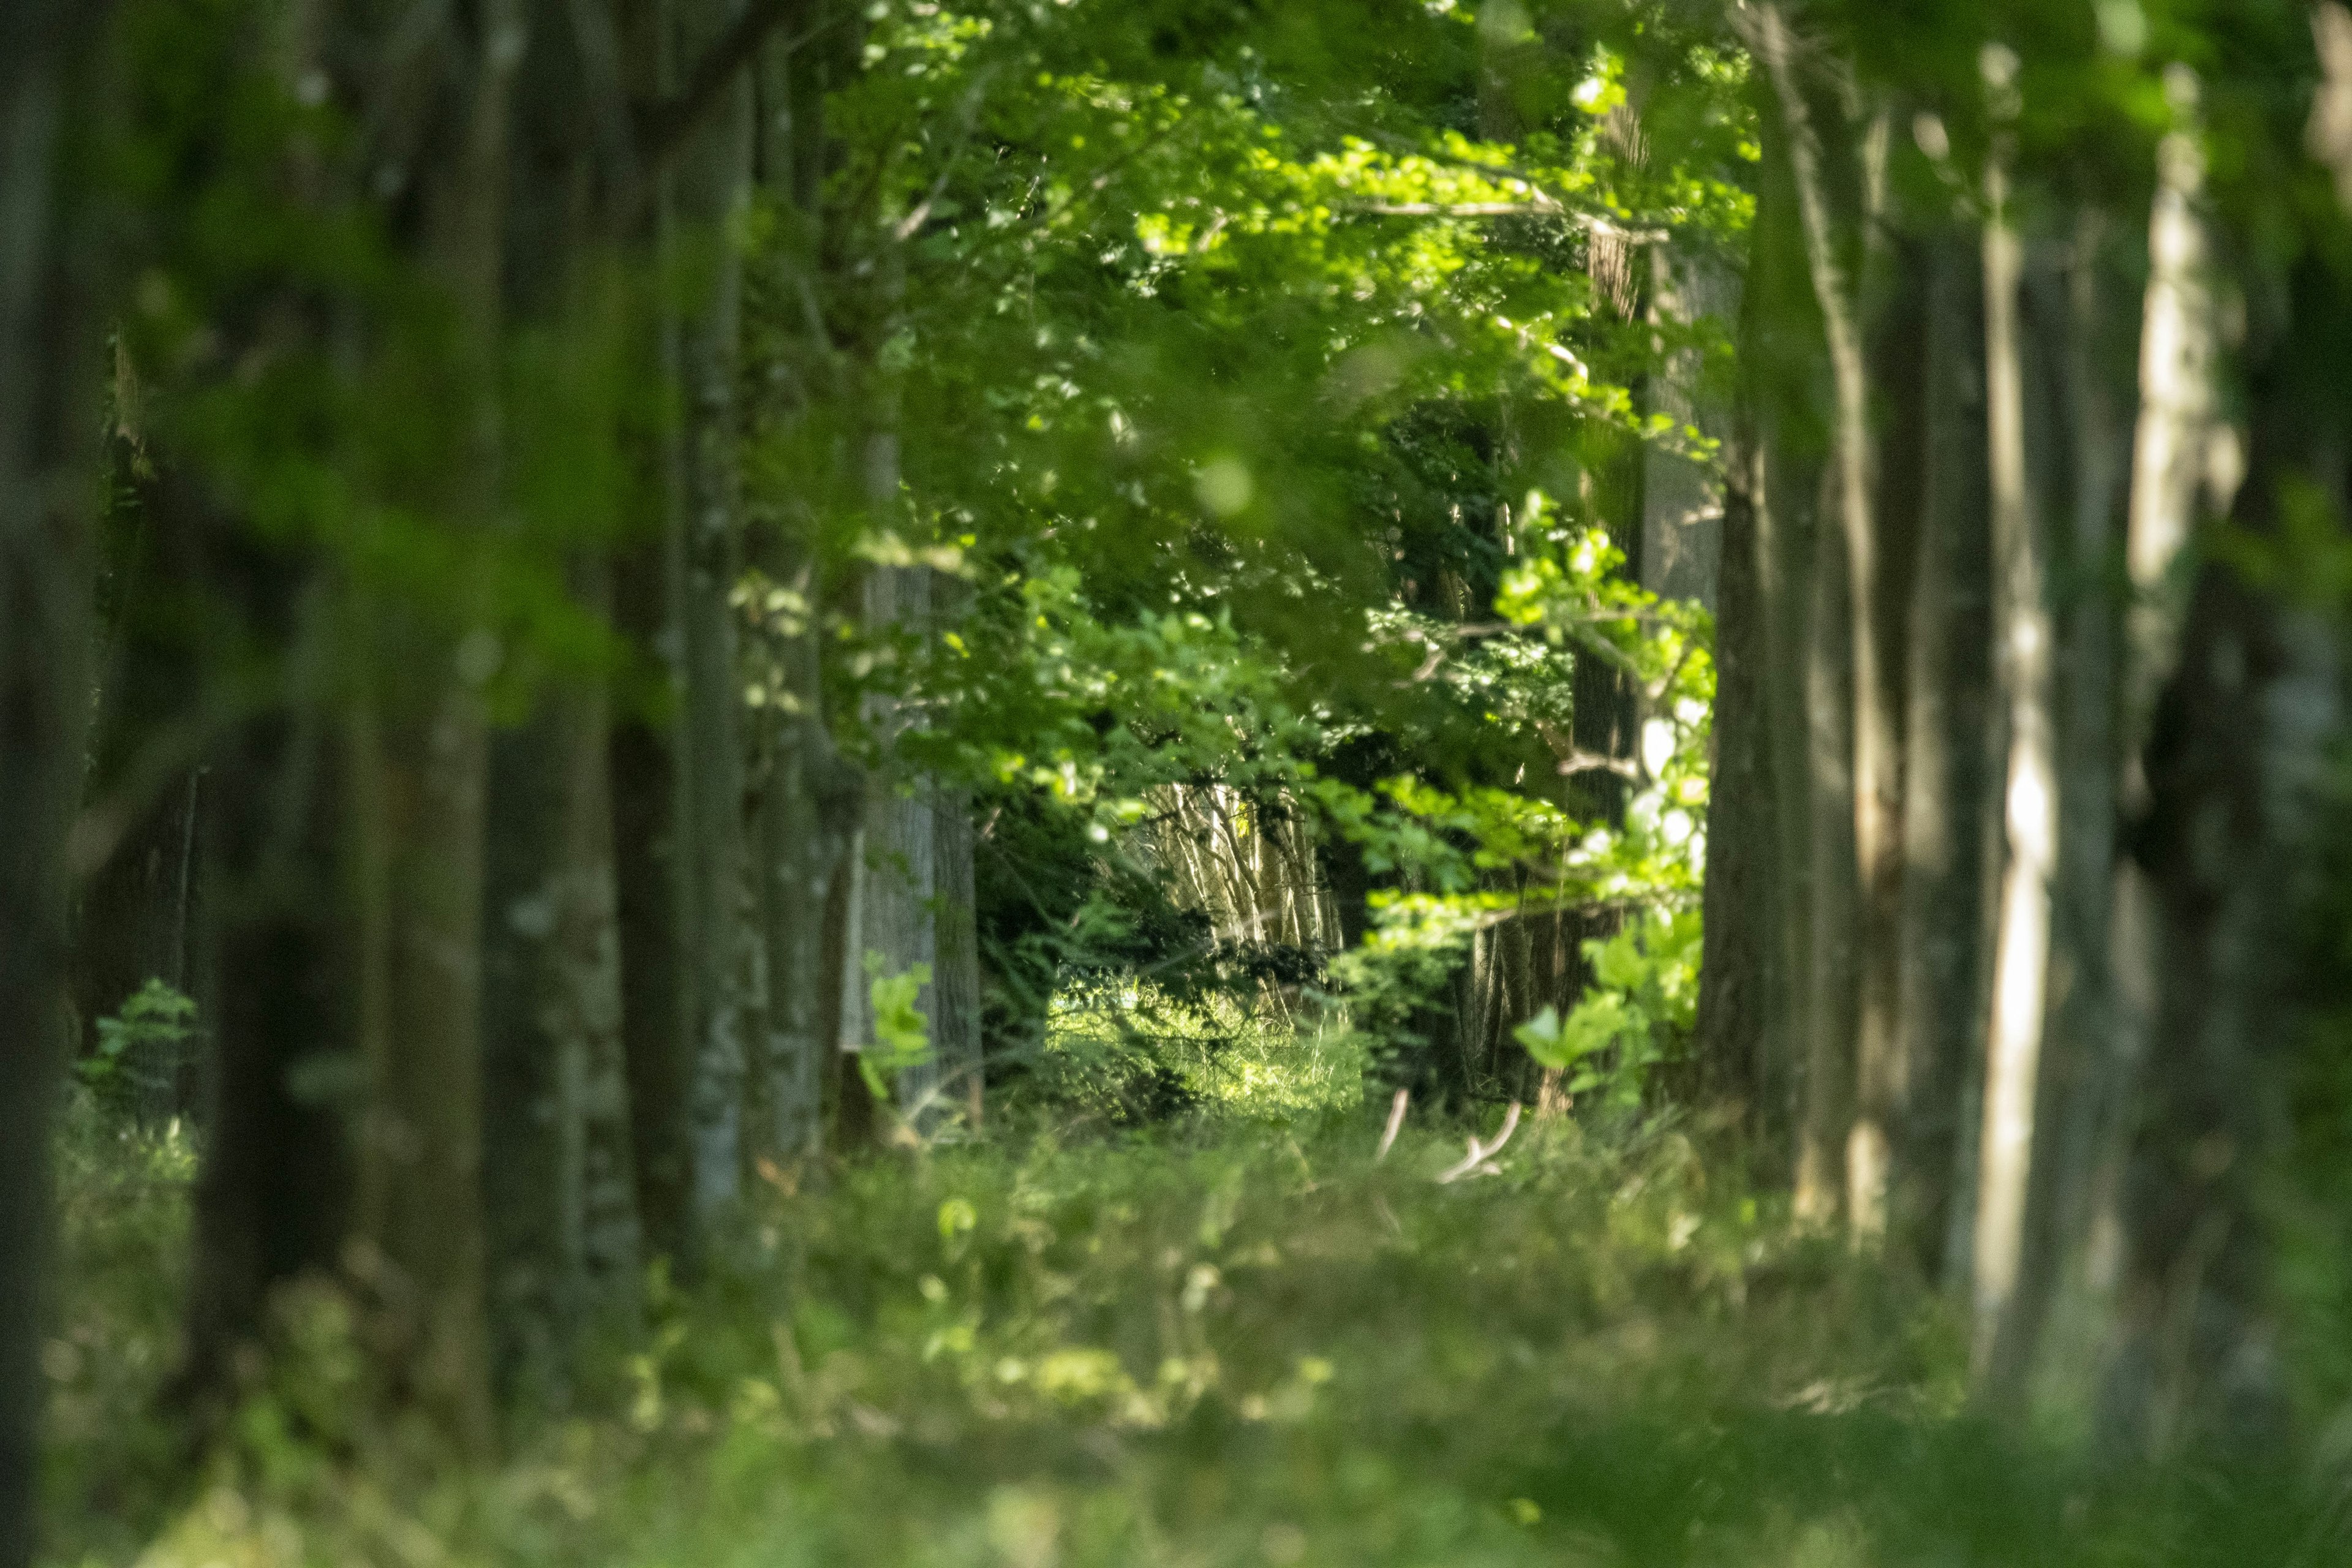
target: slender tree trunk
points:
(645, 845)
(1736, 971)
(2021, 948)
(809, 796)
(47, 384)
(1779, 452)
(2176, 418)
(2079, 1091)
(1899, 324)
(958, 985)
(422, 767)
(1874, 703)
(897, 928)
(1946, 783)
(1833, 971)
(559, 1171)
(560, 1176)
(713, 171)
(808, 807)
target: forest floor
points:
(1238, 1340)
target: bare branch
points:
(1474, 1163)
(1396, 1123)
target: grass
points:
(1239, 1340)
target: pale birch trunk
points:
(2176, 427)
(2030, 794)
(2175, 423)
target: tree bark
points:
(896, 926)
(2174, 423)
(1872, 777)
(1684, 506)
(958, 983)
(2241, 769)
(712, 183)
(421, 766)
(1780, 453)
(645, 846)
(808, 797)
(559, 1177)
(1947, 773)
(2061, 1322)
(48, 357)
(1835, 906)
(2021, 948)
(1736, 1011)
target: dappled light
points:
(1041, 782)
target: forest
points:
(1037, 782)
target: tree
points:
(47, 356)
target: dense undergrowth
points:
(1238, 1337)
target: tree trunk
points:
(47, 385)
(560, 1176)
(1780, 450)
(2022, 947)
(958, 984)
(1684, 506)
(2079, 1091)
(896, 931)
(1859, 1063)
(421, 766)
(809, 795)
(1735, 1010)
(712, 183)
(645, 845)
(2176, 419)
(2241, 767)
(1833, 964)
(1946, 783)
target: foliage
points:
(902, 1037)
(142, 1048)
(1640, 1010)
